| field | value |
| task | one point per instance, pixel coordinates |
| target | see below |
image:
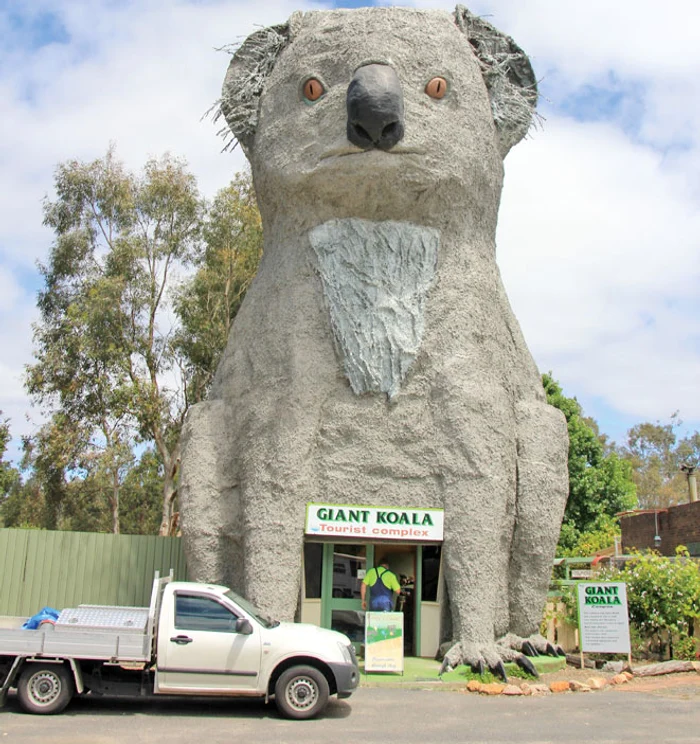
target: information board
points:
(384, 642)
(602, 617)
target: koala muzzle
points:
(375, 107)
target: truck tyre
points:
(44, 688)
(301, 692)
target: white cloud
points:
(139, 74)
(598, 236)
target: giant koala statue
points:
(376, 359)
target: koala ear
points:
(245, 79)
(508, 75)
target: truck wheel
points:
(44, 688)
(301, 692)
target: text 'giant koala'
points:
(376, 359)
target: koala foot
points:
(482, 656)
(534, 645)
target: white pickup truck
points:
(194, 639)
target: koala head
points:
(379, 112)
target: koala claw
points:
(499, 670)
(524, 663)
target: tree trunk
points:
(168, 523)
(115, 503)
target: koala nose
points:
(375, 107)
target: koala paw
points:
(486, 656)
(534, 645)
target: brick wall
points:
(678, 525)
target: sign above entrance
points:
(375, 522)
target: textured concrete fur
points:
(375, 278)
(376, 359)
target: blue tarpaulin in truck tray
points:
(47, 614)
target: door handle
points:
(181, 640)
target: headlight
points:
(347, 651)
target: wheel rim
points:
(44, 687)
(302, 693)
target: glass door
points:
(345, 567)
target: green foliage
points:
(466, 673)
(512, 669)
(25, 506)
(562, 608)
(663, 597)
(9, 476)
(140, 512)
(600, 482)
(656, 454)
(208, 302)
(574, 543)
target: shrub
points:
(663, 596)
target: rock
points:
(512, 690)
(614, 666)
(619, 679)
(596, 683)
(629, 675)
(560, 686)
(493, 688)
(577, 686)
(474, 685)
(526, 688)
(539, 689)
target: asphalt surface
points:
(370, 715)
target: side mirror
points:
(243, 626)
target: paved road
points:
(371, 715)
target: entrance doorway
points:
(333, 574)
(402, 561)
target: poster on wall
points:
(603, 619)
(384, 642)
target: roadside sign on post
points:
(581, 573)
(603, 620)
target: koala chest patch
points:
(375, 277)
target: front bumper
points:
(347, 677)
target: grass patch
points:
(419, 672)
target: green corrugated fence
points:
(39, 568)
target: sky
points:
(599, 229)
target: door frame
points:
(330, 603)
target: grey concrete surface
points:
(371, 715)
(421, 392)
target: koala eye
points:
(436, 88)
(313, 89)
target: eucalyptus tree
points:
(657, 456)
(105, 361)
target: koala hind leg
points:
(542, 489)
(210, 499)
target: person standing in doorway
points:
(382, 584)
